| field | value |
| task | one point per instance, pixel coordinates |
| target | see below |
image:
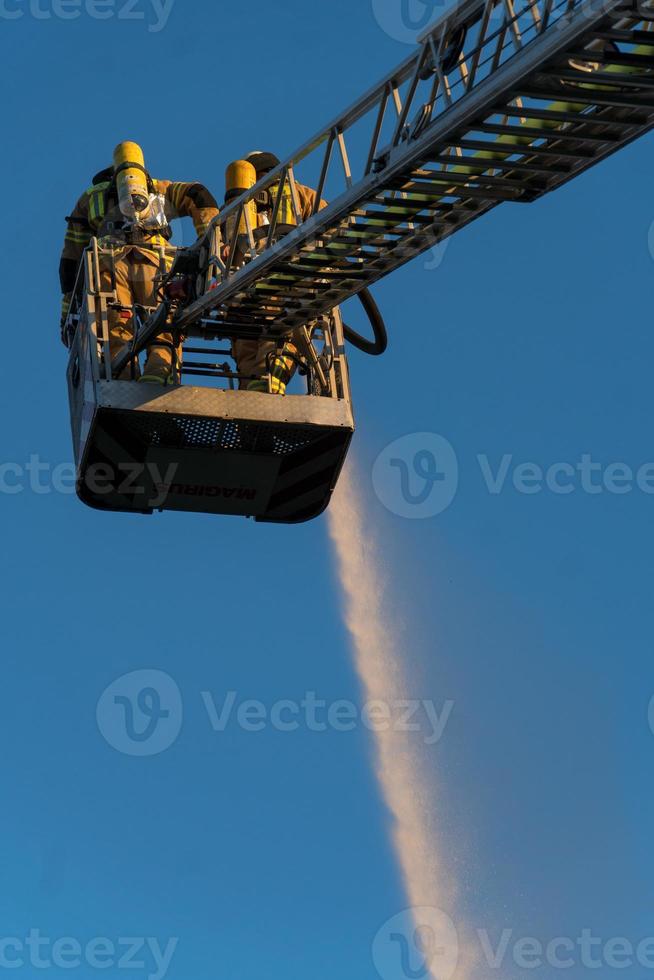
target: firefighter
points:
(254, 357)
(130, 213)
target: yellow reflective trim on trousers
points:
(276, 387)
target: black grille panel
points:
(192, 432)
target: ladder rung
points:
(317, 264)
(605, 78)
(297, 290)
(356, 230)
(329, 258)
(325, 273)
(444, 207)
(363, 229)
(252, 303)
(586, 96)
(357, 246)
(497, 163)
(447, 179)
(251, 310)
(418, 219)
(266, 285)
(417, 206)
(392, 202)
(620, 59)
(382, 218)
(309, 282)
(485, 194)
(524, 150)
(314, 255)
(630, 37)
(548, 134)
(590, 119)
(310, 286)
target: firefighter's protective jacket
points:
(307, 198)
(97, 214)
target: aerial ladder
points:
(501, 101)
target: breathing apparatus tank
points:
(131, 180)
(239, 178)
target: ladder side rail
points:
(97, 313)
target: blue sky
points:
(266, 853)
